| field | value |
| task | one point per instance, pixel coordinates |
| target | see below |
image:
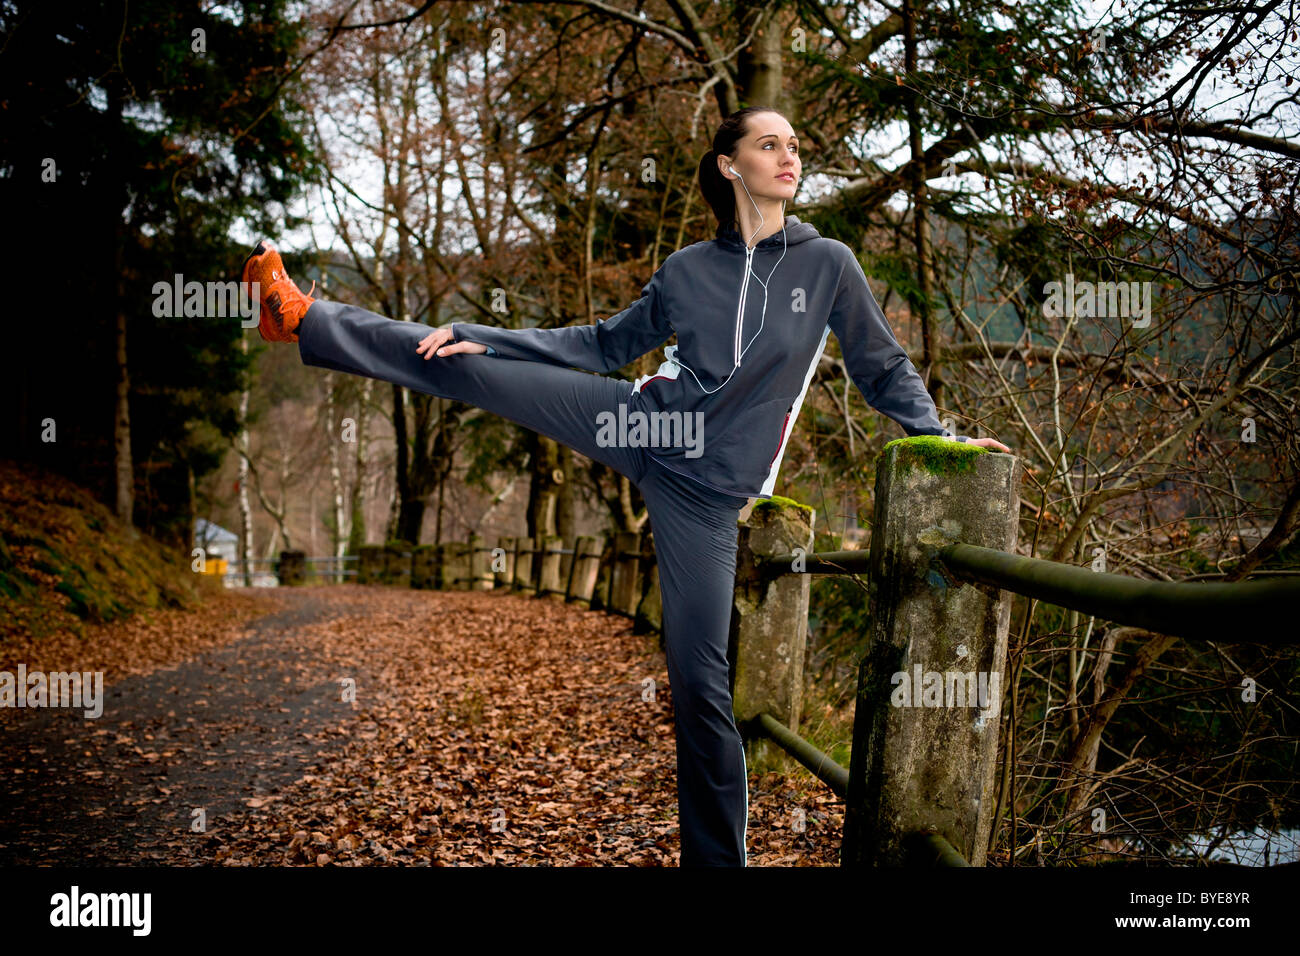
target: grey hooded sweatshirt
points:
(751, 325)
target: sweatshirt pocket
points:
(750, 442)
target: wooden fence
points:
(941, 573)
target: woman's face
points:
(768, 158)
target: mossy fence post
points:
(925, 732)
(455, 566)
(480, 564)
(505, 551)
(293, 568)
(769, 626)
(424, 566)
(397, 563)
(370, 563)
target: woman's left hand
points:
(436, 343)
(988, 443)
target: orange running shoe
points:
(283, 303)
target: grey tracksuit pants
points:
(695, 538)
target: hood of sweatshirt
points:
(795, 232)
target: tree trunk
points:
(930, 374)
(423, 475)
(758, 67)
(402, 465)
(442, 473)
(394, 503)
(544, 489)
(357, 526)
(332, 438)
(192, 504)
(282, 515)
(124, 469)
(245, 512)
(271, 544)
(564, 505)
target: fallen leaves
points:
(487, 729)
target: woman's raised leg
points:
(560, 403)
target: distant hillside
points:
(66, 561)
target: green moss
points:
(80, 605)
(776, 502)
(98, 572)
(937, 455)
(12, 586)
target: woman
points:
(733, 410)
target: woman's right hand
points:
(435, 343)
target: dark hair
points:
(717, 189)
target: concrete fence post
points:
(624, 586)
(293, 568)
(925, 734)
(370, 563)
(548, 574)
(441, 576)
(584, 568)
(523, 579)
(424, 566)
(770, 626)
(397, 563)
(480, 564)
(566, 568)
(504, 561)
(650, 608)
(454, 566)
(604, 575)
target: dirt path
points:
(486, 729)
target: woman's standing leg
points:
(695, 538)
(560, 403)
